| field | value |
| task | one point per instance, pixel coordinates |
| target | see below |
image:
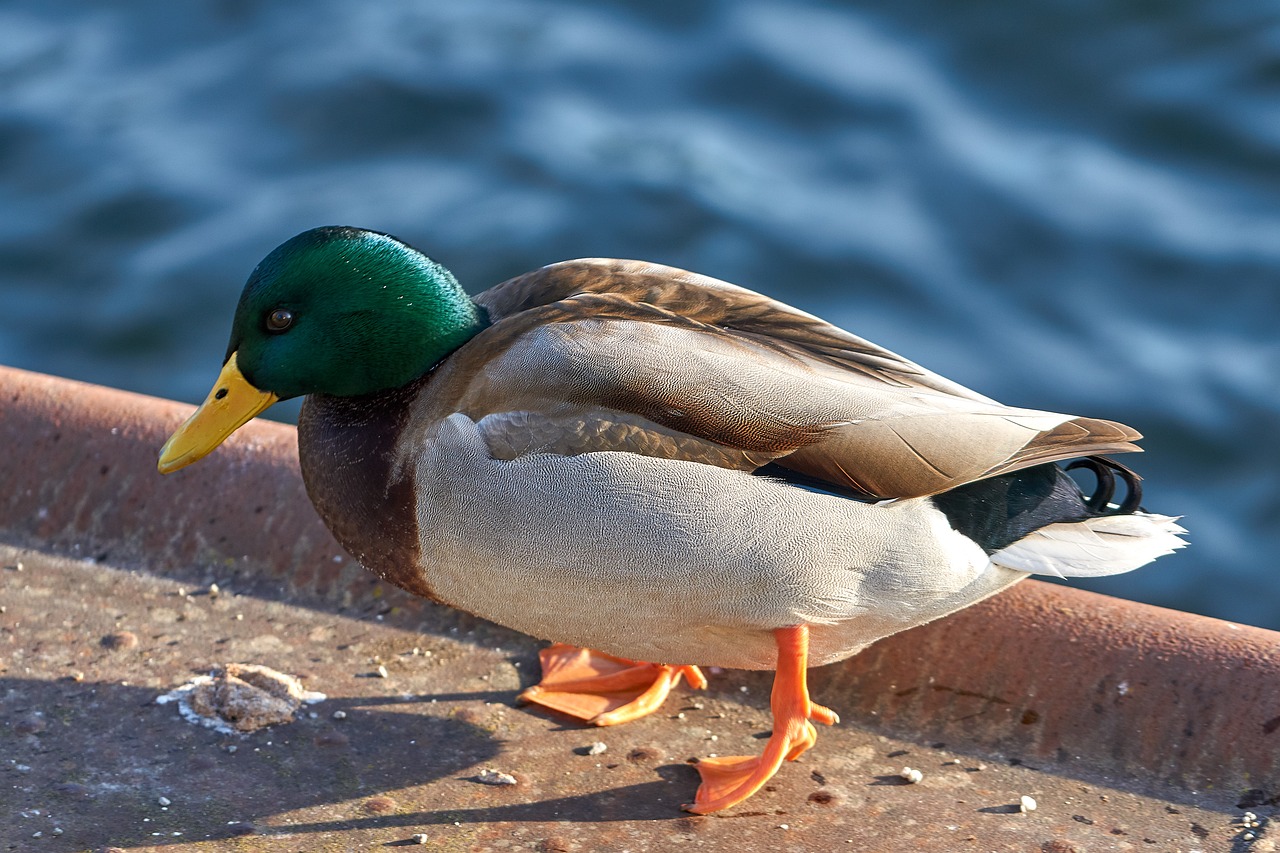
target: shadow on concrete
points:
(649, 801)
(107, 754)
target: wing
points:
(715, 304)
(595, 355)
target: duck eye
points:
(279, 320)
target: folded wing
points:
(590, 356)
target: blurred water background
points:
(1065, 205)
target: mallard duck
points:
(656, 471)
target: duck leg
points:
(730, 780)
(602, 689)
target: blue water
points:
(1065, 205)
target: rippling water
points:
(1071, 206)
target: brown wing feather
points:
(620, 355)
(716, 304)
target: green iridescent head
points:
(346, 312)
(335, 310)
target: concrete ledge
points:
(82, 481)
(1082, 684)
(1076, 678)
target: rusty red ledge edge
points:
(1053, 675)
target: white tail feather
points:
(1108, 545)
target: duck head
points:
(336, 310)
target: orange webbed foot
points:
(602, 689)
(729, 780)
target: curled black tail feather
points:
(1105, 469)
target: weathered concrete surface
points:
(1134, 728)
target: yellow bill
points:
(231, 404)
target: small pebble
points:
(165, 801)
(597, 748)
(120, 640)
(1026, 804)
(382, 671)
(911, 775)
(784, 826)
(489, 776)
(419, 838)
(214, 590)
(339, 715)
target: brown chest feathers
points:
(346, 447)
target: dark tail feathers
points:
(998, 511)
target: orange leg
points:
(730, 780)
(602, 689)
